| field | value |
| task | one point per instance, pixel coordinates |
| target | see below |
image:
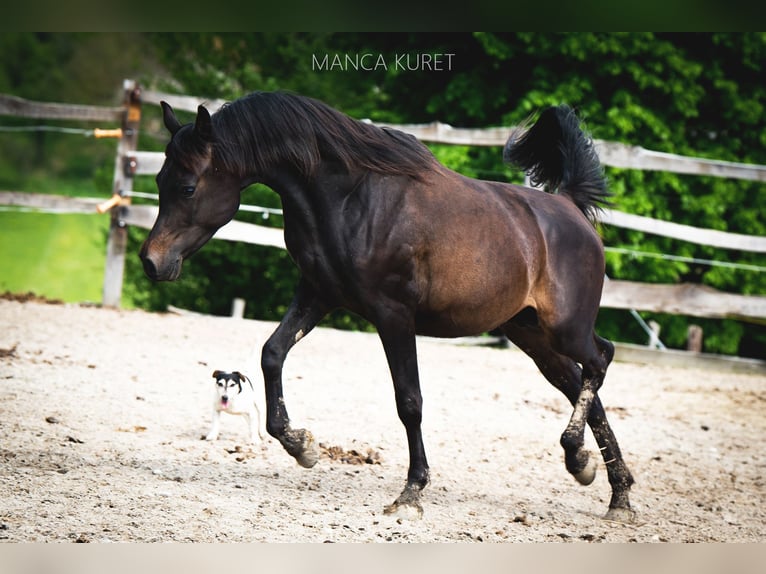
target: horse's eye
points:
(187, 191)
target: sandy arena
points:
(102, 412)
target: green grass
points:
(59, 256)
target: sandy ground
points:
(102, 411)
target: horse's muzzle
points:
(160, 270)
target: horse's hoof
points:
(406, 511)
(622, 515)
(407, 506)
(309, 453)
(308, 458)
(588, 473)
(301, 445)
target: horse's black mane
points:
(264, 130)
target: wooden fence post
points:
(124, 170)
(238, 308)
(694, 339)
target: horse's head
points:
(197, 196)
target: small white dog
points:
(234, 394)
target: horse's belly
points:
(470, 306)
(460, 322)
(444, 326)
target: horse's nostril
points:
(149, 268)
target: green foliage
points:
(693, 94)
(64, 68)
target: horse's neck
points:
(294, 192)
(327, 187)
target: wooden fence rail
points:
(614, 154)
(15, 106)
(710, 237)
(149, 163)
(684, 299)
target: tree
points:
(693, 94)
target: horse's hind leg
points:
(566, 375)
(305, 311)
(578, 460)
(587, 407)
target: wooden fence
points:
(687, 299)
(128, 117)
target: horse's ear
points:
(170, 119)
(203, 126)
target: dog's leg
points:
(253, 422)
(256, 427)
(215, 427)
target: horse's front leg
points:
(401, 352)
(305, 311)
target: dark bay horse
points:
(377, 226)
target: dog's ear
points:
(239, 376)
(217, 374)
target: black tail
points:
(556, 153)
